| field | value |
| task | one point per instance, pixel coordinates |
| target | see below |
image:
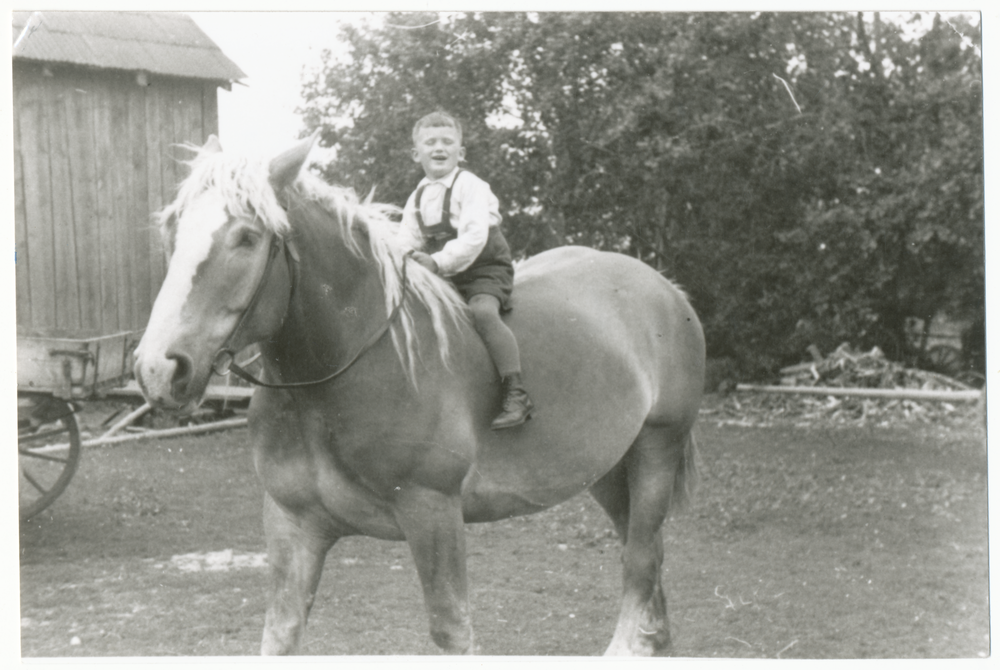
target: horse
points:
(373, 413)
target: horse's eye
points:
(247, 238)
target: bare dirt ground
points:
(808, 541)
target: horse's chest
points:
(299, 469)
(351, 470)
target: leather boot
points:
(517, 405)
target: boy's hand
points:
(425, 260)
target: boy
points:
(454, 215)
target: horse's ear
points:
(212, 145)
(286, 166)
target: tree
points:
(808, 178)
(901, 234)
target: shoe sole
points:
(527, 418)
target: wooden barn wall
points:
(95, 153)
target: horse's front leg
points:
(433, 525)
(295, 553)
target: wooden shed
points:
(102, 101)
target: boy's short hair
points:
(437, 120)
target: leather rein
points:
(224, 361)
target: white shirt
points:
(474, 209)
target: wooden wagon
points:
(102, 103)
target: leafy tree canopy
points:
(808, 178)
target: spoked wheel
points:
(48, 451)
(944, 359)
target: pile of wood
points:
(849, 386)
(849, 368)
(847, 372)
(769, 409)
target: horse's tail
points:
(686, 475)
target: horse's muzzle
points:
(167, 382)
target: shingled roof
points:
(164, 43)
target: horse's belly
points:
(607, 345)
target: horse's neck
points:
(338, 301)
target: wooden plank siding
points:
(95, 154)
(210, 108)
(67, 297)
(37, 246)
(154, 182)
(22, 277)
(170, 174)
(119, 223)
(138, 205)
(83, 181)
(104, 212)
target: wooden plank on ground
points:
(213, 392)
(895, 394)
(224, 424)
(799, 367)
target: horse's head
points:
(227, 282)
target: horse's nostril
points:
(183, 368)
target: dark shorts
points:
(491, 273)
(495, 279)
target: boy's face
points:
(438, 150)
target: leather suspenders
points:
(443, 231)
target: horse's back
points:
(607, 345)
(613, 306)
(595, 281)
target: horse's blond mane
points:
(243, 183)
(446, 308)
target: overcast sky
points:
(272, 48)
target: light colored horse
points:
(397, 445)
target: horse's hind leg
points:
(611, 491)
(650, 477)
(296, 556)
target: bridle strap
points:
(369, 343)
(277, 245)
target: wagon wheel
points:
(944, 359)
(972, 378)
(48, 450)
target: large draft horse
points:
(396, 442)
